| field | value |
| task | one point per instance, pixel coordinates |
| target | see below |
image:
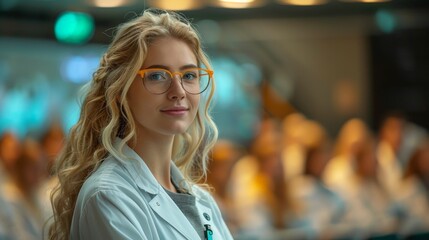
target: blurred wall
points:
(319, 64)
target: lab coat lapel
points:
(168, 210)
(207, 216)
(205, 213)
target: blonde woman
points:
(130, 164)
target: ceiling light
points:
(74, 27)
(110, 3)
(366, 1)
(177, 4)
(303, 2)
(238, 3)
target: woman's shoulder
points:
(110, 176)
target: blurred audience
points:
(287, 184)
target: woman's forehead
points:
(170, 52)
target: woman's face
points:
(173, 111)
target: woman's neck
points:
(156, 153)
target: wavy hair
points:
(105, 113)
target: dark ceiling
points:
(35, 18)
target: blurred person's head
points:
(316, 149)
(267, 146)
(291, 128)
(224, 155)
(418, 164)
(52, 143)
(30, 166)
(9, 150)
(267, 149)
(268, 125)
(352, 135)
(366, 164)
(392, 130)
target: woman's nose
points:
(176, 90)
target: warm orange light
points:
(303, 2)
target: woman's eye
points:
(190, 76)
(156, 76)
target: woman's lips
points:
(175, 111)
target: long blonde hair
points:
(105, 113)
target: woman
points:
(141, 122)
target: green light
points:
(74, 27)
(385, 20)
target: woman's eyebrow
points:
(168, 68)
(188, 66)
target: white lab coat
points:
(123, 200)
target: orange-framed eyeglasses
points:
(193, 80)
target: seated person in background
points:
(369, 205)
(10, 148)
(318, 207)
(350, 139)
(390, 141)
(259, 192)
(21, 193)
(223, 157)
(413, 193)
(52, 141)
(294, 135)
(9, 152)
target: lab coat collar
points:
(137, 168)
(144, 177)
(161, 203)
